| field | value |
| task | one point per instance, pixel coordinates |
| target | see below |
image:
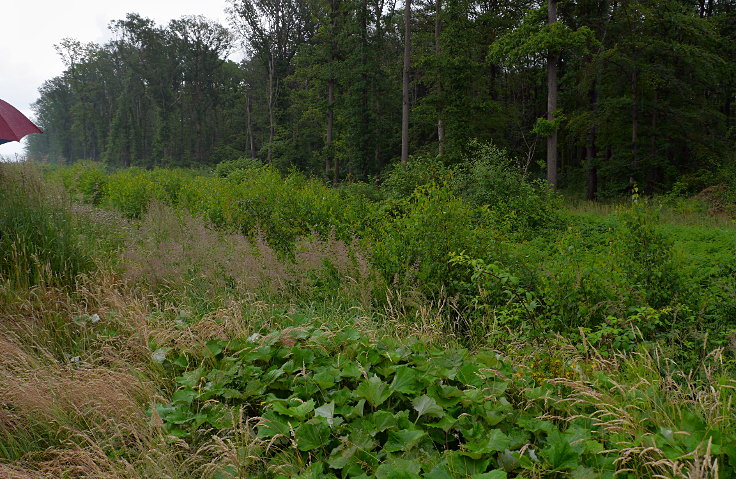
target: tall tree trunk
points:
(405, 95)
(440, 113)
(330, 123)
(590, 148)
(249, 127)
(634, 127)
(271, 100)
(653, 176)
(552, 60)
(330, 157)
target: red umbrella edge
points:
(13, 124)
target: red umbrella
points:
(13, 124)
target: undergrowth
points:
(255, 325)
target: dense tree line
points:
(600, 94)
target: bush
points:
(647, 259)
(129, 191)
(225, 168)
(38, 240)
(519, 205)
(402, 180)
(412, 245)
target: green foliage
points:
(39, 239)
(86, 179)
(413, 241)
(225, 168)
(402, 180)
(345, 406)
(647, 258)
(534, 37)
(519, 205)
(129, 191)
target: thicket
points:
(645, 89)
(39, 243)
(425, 334)
(495, 244)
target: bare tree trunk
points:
(590, 148)
(653, 174)
(634, 127)
(440, 115)
(271, 100)
(330, 158)
(407, 65)
(552, 61)
(249, 127)
(330, 123)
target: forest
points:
(447, 240)
(602, 94)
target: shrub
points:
(129, 191)
(225, 168)
(519, 205)
(402, 180)
(38, 240)
(647, 258)
(412, 244)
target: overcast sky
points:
(31, 28)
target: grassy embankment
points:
(170, 324)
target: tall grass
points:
(38, 240)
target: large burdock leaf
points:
(396, 468)
(405, 380)
(293, 408)
(273, 424)
(490, 475)
(560, 455)
(326, 411)
(426, 406)
(374, 391)
(402, 440)
(312, 435)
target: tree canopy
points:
(646, 88)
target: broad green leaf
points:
(214, 347)
(426, 406)
(374, 391)
(272, 424)
(468, 374)
(350, 369)
(326, 377)
(312, 435)
(584, 473)
(191, 379)
(382, 420)
(445, 423)
(461, 465)
(294, 408)
(395, 468)
(497, 474)
(440, 471)
(405, 380)
(495, 441)
(184, 396)
(353, 448)
(326, 411)
(560, 455)
(402, 440)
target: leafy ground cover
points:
(425, 328)
(332, 403)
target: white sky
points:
(29, 29)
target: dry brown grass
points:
(175, 253)
(641, 390)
